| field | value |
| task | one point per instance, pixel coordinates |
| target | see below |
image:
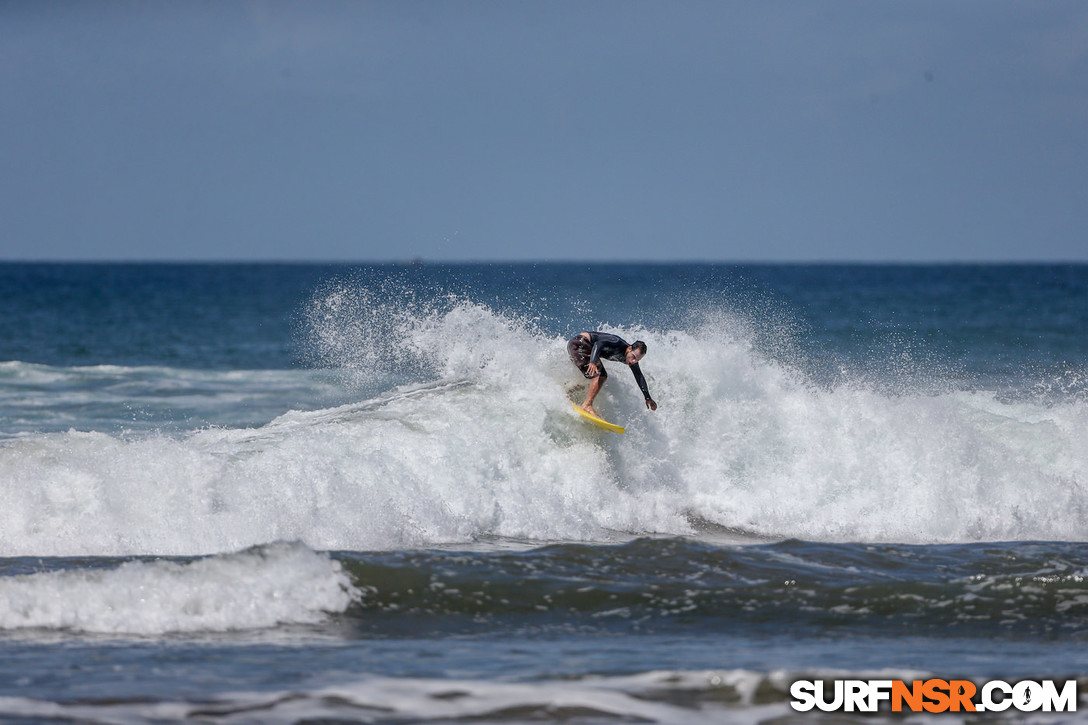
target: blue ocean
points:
(290, 493)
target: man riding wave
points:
(587, 349)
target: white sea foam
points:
(661, 697)
(38, 398)
(261, 587)
(740, 697)
(480, 441)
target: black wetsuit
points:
(602, 346)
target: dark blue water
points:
(995, 321)
(257, 493)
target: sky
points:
(611, 130)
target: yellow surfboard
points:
(598, 421)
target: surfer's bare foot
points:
(590, 409)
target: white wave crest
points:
(488, 447)
(258, 588)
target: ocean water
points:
(319, 493)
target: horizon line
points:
(421, 261)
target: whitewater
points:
(462, 432)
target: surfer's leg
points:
(594, 388)
(579, 348)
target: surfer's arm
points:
(595, 356)
(641, 380)
(595, 353)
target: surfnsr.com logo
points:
(934, 696)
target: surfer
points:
(587, 349)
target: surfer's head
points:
(636, 352)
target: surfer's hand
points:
(651, 404)
(593, 371)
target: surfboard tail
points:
(599, 422)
